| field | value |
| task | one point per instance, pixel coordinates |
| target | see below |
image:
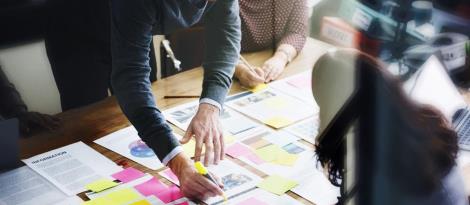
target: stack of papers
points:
(72, 167)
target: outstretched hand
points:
(206, 129)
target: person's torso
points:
(263, 22)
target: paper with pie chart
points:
(127, 143)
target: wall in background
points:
(28, 68)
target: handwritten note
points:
(277, 184)
(128, 175)
(100, 185)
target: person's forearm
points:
(131, 34)
(286, 51)
(222, 50)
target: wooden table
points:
(97, 120)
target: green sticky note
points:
(101, 185)
(270, 153)
(123, 196)
(277, 184)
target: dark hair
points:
(429, 143)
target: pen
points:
(203, 171)
(180, 96)
(247, 64)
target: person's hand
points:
(273, 67)
(30, 121)
(192, 184)
(247, 77)
(206, 129)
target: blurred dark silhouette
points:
(405, 153)
(12, 106)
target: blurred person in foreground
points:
(425, 162)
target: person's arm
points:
(223, 36)
(295, 34)
(131, 33)
(291, 43)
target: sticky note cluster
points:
(128, 175)
(100, 185)
(118, 197)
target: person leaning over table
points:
(278, 24)
(132, 25)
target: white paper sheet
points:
(306, 129)
(317, 189)
(271, 104)
(261, 197)
(236, 179)
(23, 186)
(72, 167)
(127, 143)
(298, 86)
(73, 200)
(432, 85)
(232, 122)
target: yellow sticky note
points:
(258, 88)
(99, 201)
(277, 103)
(189, 148)
(229, 138)
(277, 184)
(141, 202)
(123, 196)
(287, 159)
(101, 185)
(278, 122)
(269, 153)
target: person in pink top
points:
(280, 25)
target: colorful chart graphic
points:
(140, 149)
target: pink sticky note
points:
(301, 81)
(252, 201)
(128, 175)
(171, 194)
(171, 175)
(151, 187)
(237, 150)
(254, 158)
